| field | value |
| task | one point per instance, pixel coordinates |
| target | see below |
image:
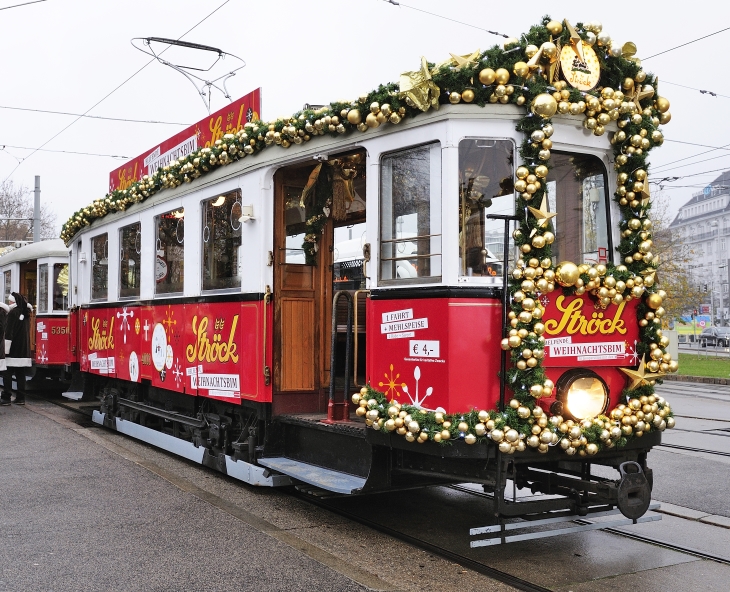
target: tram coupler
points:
(634, 490)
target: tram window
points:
(130, 260)
(7, 284)
(99, 267)
(485, 187)
(43, 288)
(170, 252)
(295, 219)
(60, 286)
(222, 241)
(410, 215)
(577, 191)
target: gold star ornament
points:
(461, 62)
(418, 89)
(640, 377)
(542, 215)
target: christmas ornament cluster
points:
(519, 427)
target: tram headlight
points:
(583, 393)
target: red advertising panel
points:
(97, 341)
(439, 353)
(578, 332)
(227, 120)
(208, 349)
(51, 340)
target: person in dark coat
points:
(4, 310)
(17, 357)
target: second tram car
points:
(224, 303)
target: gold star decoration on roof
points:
(534, 62)
(639, 95)
(467, 61)
(543, 215)
(554, 68)
(419, 89)
(575, 40)
(640, 377)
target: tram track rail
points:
(462, 560)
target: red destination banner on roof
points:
(203, 134)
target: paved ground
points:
(77, 517)
(84, 508)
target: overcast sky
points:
(67, 55)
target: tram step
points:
(319, 477)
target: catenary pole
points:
(37, 210)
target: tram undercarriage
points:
(247, 443)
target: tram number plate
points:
(423, 349)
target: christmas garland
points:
(624, 94)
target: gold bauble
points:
(371, 120)
(544, 105)
(467, 96)
(531, 50)
(555, 28)
(522, 172)
(521, 69)
(538, 241)
(566, 273)
(501, 76)
(654, 301)
(470, 439)
(454, 98)
(487, 76)
(665, 118)
(549, 50)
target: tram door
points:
(318, 207)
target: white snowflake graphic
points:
(177, 372)
(43, 357)
(125, 326)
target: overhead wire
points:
(699, 90)
(685, 44)
(446, 18)
(3, 146)
(112, 92)
(93, 116)
(666, 164)
(23, 4)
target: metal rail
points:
(339, 411)
(496, 574)
(354, 331)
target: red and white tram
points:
(39, 271)
(202, 294)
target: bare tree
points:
(674, 273)
(16, 215)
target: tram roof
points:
(48, 248)
(306, 152)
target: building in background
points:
(703, 223)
